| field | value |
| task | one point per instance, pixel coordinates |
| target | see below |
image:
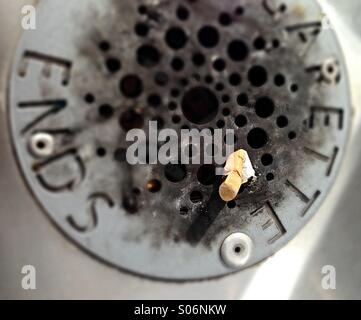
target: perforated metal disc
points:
(93, 69)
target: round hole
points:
(225, 19)
(154, 185)
(282, 122)
(142, 9)
(238, 50)
(234, 79)
(200, 105)
(198, 59)
(208, 37)
(239, 11)
(294, 88)
(141, 29)
(175, 93)
(275, 43)
(104, 46)
(176, 38)
(131, 86)
(206, 174)
(175, 172)
(270, 176)
(267, 159)
(219, 87)
(264, 107)
(182, 13)
(279, 80)
(219, 65)
(131, 119)
(196, 197)
(231, 204)
(177, 64)
(226, 112)
(208, 79)
(220, 124)
(257, 138)
(101, 152)
(292, 135)
(113, 65)
(154, 100)
(176, 119)
(89, 98)
(106, 111)
(172, 106)
(241, 121)
(148, 56)
(225, 98)
(161, 79)
(242, 99)
(259, 43)
(257, 76)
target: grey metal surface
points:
(295, 272)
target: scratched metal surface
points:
(26, 236)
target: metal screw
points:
(330, 70)
(236, 250)
(42, 145)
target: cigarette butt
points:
(238, 170)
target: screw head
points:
(42, 145)
(236, 250)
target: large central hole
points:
(200, 105)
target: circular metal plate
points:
(270, 70)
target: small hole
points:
(40, 145)
(196, 196)
(282, 122)
(176, 38)
(294, 88)
(226, 112)
(175, 172)
(279, 80)
(206, 174)
(101, 152)
(270, 176)
(257, 76)
(208, 79)
(275, 43)
(237, 249)
(219, 65)
(264, 107)
(238, 50)
(142, 9)
(161, 79)
(208, 37)
(267, 159)
(148, 56)
(220, 124)
(89, 98)
(175, 93)
(177, 64)
(239, 11)
(106, 111)
(104, 46)
(283, 7)
(259, 43)
(231, 204)
(176, 119)
(131, 119)
(172, 106)
(131, 86)
(141, 29)
(225, 19)
(198, 59)
(257, 138)
(234, 79)
(113, 65)
(292, 135)
(225, 98)
(154, 100)
(154, 186)
(219, 87)
(241, 121)
(182, 13)
(242, 99)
